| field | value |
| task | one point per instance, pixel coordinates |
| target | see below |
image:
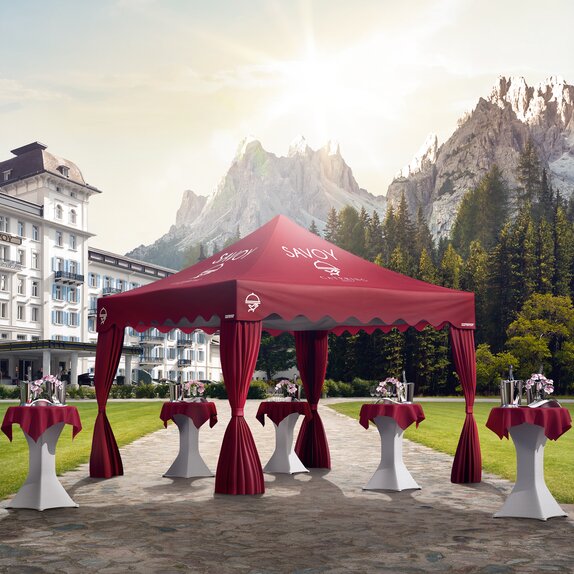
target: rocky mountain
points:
(494, 132)
(258, 186)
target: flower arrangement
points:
(383, 388)
(288, 386)
(540, 383)
(37, 387)
(194, 388)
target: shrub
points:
(215, 391)
(257, 390)
(361, 387)
(121, 392)
(146, 391)
(162, 391)
(9, 392)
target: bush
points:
(146, 391)
(121, 392)
(9, 392)
(258, 390)
(361, 387)
(162, 391)
(215, 391)
(81, 392)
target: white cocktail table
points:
(391, 421)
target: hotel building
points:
(50, 280)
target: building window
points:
(58, 264)
(35, 233)
(3, 311)
(108, 281)
(21, 229)
(20, 312)
(58, 212)
(4, 223)
(73, 216)
(73, 242)
(73, 295)
(58, 317)
(73, 266)
(92, 280)
(7, 174)
(200, 355)
(91, 325)
(35, 314)
(35, 264)
(64, 170)
(59, 238)
(22, 256)
(21, 289)
(73, 319)
(57, 293)
(35, 288)
(20, 337)
(3, 282)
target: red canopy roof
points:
(290, 279)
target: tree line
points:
(512, 246)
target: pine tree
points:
(332, 226)
(528, 175)
(451, 268)
(350, 232)
(314, 229)
(427, 270)
(374, 244)
(563, 252)
(423, 237)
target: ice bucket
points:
(532, 395)
(410, 393)
(507, 393)
(175, 392)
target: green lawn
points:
(129, 420)
(441, 430)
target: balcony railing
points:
(110, 291)
(68, 278)
(9, 265)
(92, 311)
(184, 362)
(150, 360)
(183, 342)
(149, 339)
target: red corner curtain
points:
(467, 466)
(239, 467)
(105, 460)
(311, 446)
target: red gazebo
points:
(280, 278)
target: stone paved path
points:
(306, 523)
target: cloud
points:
(12, 91)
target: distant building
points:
(50, 280)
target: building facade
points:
(50, 280)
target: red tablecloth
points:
(35, 420)
(197, 412)
(556, 421)
(404, 414)
(278, 410)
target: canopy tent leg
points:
(467, 465)
(105, 460)
(239, 468)
(312, 446)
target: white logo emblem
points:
(252, 301)
(209, 271)
(103, 315)
(328, 268)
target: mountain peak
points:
(246, 145)
(299, 147)
(425, 156)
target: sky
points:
(153, 97)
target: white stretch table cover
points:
(285, 459)
(530, 497)
(392, 474)
(42, 489)
(188, 462)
